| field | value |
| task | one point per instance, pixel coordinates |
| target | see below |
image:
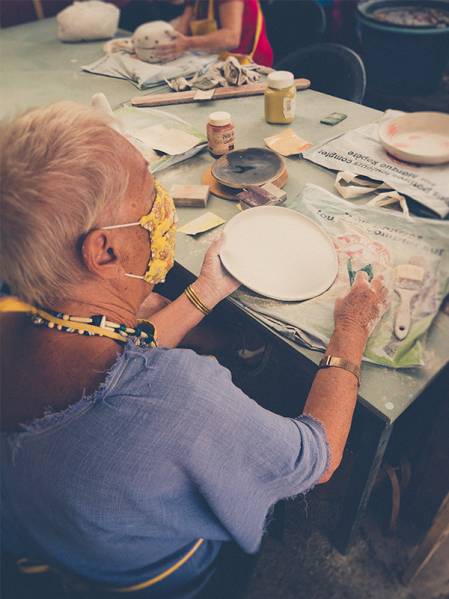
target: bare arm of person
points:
(225, 38)
(182, 23)
(333, 395)
(174, 321)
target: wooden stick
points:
(221, 93)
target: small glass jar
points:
(220, 133)
(280, 98)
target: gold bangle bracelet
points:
(329, 361)
(192, 295)
(195, 300)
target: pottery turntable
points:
(236, 170)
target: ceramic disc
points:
(279, 253)
(253, 166)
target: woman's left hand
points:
(167, 52)
(214, 282)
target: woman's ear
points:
(100, 254)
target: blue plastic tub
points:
(403, 59)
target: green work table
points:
(38, 69)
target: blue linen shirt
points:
(120, 485)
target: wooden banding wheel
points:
(228, 193)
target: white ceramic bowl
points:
(419, 137)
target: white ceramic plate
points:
(279, 253)
(420, 137)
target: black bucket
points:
(403, 58)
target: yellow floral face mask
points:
(160, 222)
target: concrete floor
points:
(305, 565)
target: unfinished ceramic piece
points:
(279, 253)
(149, 36)
(419, 137)
(253, 166)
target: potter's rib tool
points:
(407, 284)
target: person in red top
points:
(236, 26)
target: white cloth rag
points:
(90, 20)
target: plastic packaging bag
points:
(374, 240)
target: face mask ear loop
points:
(120, 226)
(134, 276)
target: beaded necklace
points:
(97, 325)
(143, 335)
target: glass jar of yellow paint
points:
(280, 98)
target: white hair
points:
(61, 172)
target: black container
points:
(402, 59)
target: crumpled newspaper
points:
(220, 74)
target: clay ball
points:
(149, 36)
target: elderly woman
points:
(126, 462)
(236, 26)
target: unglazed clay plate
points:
(279, 253)
(253, 166)
(419, 137)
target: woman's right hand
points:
(179, 45)
(363, 307)
(214, 282)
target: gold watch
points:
(329, 361)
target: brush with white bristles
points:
(407, 284)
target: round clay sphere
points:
(149, 36)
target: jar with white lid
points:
(220, 133)
(280, 98)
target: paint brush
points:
(408, 279)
